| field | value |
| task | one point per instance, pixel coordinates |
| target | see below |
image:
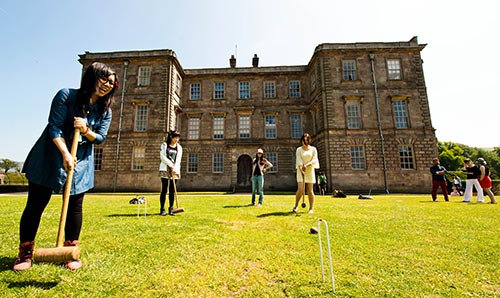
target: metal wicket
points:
(329, 252)
(139, 206)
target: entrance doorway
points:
(244, 182)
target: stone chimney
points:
(255, 61)
(232, 61)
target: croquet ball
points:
(313, 230)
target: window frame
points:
(244, 90)
(219, 90)
(391, 71)
(195, 92)
(406, 162)
(400, 113)
(269, 94)
(347, 71)
(243, 128)
(144, 76)
(192, 163)
(141, 117)
(138, 160)
(298, 131)
(218, 162)
(358, 159)
(294, 91)
(193, 127)
(270, 127)
(218, 129)
(353, 121)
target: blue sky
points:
(41, 39)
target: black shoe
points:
(170, 211)
(163, 212)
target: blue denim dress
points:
(44, 165)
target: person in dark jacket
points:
(86, 109)
(438, 179)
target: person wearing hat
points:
(259, 166)
(484, 179)
(473, 174)
(170, 168)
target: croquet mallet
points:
(177, 209)
(62, 253)
(303, 191)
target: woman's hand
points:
(69, 162)
(80, 123)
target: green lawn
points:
(220, 247)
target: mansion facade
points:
(364, 104)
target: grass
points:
(220, 247)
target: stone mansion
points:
(365, 105)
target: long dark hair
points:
(306, 139)
(88, 85)
(172, 134)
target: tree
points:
(6, 165)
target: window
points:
(357, 158)
(219, 89)
(195, 92)
(141, 117)
(244, 126)
(138, 157)
(177, 84)
(353, 112)
(269, 90)
(394, 69)
(406, 157)
(296, 125)
(218, 162)
(273, 158)
(294, 89)
(400, 114)
(194, 127)
(270, 127)
(144, 76)
(244, 89)
(192, 166)
(218, 121)
(97, 159)
(349, 70)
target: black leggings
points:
(38, 198)
(166, 186)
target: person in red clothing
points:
(484, 179)
(438, 179)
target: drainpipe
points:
(379, 123)
(325, 119)
(118, 139)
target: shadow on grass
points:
(289, 213)
(131, 215)
(6, 263)
(238, 206)
(34, 284)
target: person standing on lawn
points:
(438, 179)
(259, 166)
(306, 160)
(87, 109)
(170, 168)
(473, 173)
(485, 180)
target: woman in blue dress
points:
(87, 109)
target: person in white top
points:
(306, 161)
(170, 168)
